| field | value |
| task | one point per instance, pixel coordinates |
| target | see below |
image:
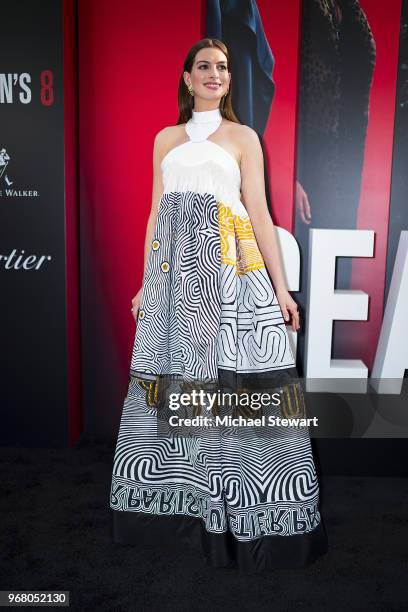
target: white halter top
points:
(201, 165)
(202, 124)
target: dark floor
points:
(55, 534)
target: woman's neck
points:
(202, 106)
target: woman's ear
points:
(186, 77)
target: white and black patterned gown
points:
(209, 316)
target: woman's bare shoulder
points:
(242, 136)
(244, 139)
(167, 135)
(243, 133)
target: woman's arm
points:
(254, 199)
(158, 153)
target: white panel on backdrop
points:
(391, 359)
(326, 304)
(291, 270)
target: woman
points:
(209, 319)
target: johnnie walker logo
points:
(7, 184)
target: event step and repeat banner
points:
(39, 372)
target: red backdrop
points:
(130, 60)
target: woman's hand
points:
(289, 308)
(302, 204)
(136, 303)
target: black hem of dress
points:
(219, 550)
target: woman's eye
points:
(222, 67)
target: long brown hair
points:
(185, 100)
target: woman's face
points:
(209, 75)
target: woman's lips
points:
(212, 85)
